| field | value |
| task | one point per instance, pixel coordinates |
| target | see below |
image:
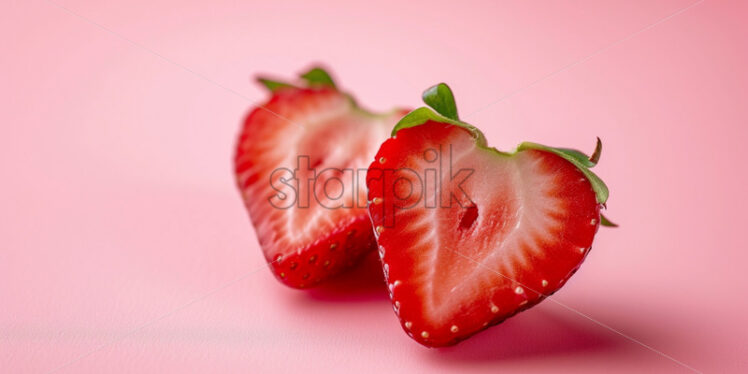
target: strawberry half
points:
(468, 235)
(297, 167)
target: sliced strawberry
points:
(458, 262)
(295, 166)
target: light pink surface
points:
(121, 231)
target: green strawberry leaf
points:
(440, 98)
(587, 161)
(604, 221)
(314, 77)
(273, 85)
(577, 155)
(601, 190)
(423, 114)
(318, 77)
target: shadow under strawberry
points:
(363, 283)
(548, 331)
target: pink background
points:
(125, 248)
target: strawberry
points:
(469, 235)
(296, 167)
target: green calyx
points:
(273, 85)
(581, 161)
(444, 110)
(441, 99)
(315, 77)
(318, 77)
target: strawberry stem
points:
(595, 158)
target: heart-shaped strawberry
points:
(300, 165)
(469, 235)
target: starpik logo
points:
(436, 184)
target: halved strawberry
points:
(469, 235)
(297, 163)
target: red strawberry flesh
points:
(524, 225)
(303, 133)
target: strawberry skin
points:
(456, 263)
(312, 133)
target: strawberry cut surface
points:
(296, 162)
(468, 236)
